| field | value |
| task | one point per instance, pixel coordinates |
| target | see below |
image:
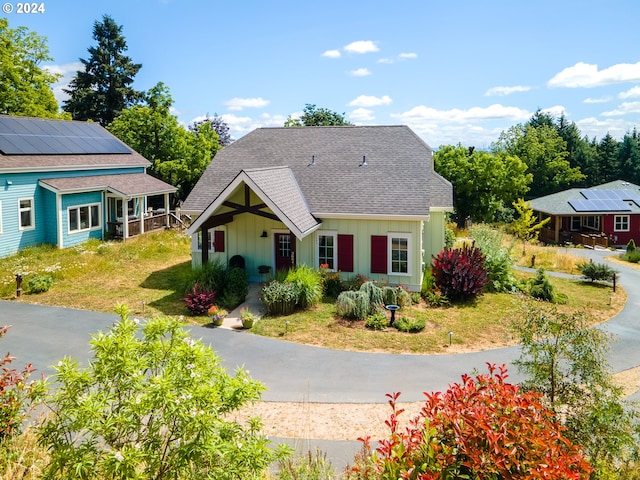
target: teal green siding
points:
(70, 239)
(14, 186)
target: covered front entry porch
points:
(143, 214)
(576, 230)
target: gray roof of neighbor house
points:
(564, 203)
(349, 170)
(35, 144)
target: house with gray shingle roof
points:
(358, 199)
(605, 215)
(64, 182)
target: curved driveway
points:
(292, 372)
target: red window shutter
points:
(378, 254)
(345, 253)
(218, 241)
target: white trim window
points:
(399, 254)
(575, 224)
(328, 250)
(26, 215)
(83, 218)
(592, 222)
(621, 223)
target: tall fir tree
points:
(103, 89)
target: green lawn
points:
(148, 273)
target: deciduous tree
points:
(218, 125)
(484, 183)
(103, 89)
(178, 156)
(526, 226)
(25, 87)
(314, 117)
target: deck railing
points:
(152, 222)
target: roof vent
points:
(313, 161)
(364, 161)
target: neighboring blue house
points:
(64, 182)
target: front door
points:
(285, 246)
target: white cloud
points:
(66, 71)
(588, 75)
(555, 111)
(240, 125)
(370, 101)
(597, 100)
(361, 46)
(623, 109)
(422, 113)
(362, 115)
(502, 91)
(332, 54)
(360, 72)
(237, 104)
(592, 127)
(408, 56)
(633, 92)
(386, 60)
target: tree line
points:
(541, 156)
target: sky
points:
(455, 71)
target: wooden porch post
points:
(141, 216)
(557, 232)
(166, 210)
(204, 246)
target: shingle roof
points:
(127, 185)
(58, 145)
(558, 203)
(398, 178)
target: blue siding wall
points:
(75, 200)
(25, 185)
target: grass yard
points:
(148, 273)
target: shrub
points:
(332, 283)
(377, 321)
(279, 297)
(460, 273)
(210, 277)
(498, 260)
(410, 325)
(312, 466)
(449, 236)
(631, 246)
(308, 285)
(596, 271)
(354, 283)
(471, 431)
(632, 257)
(40, 283)
(151, 404)
(541, 288)
(236, 288)
(350, 304)
(199, 300)
(374, 293)
(15, 393)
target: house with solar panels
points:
(64, 182)
(355, 199)
(605, 215)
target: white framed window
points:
(399, 246)
(84, 217)
(621, 223)
(328, 250)
(575, 224)
(591, 222)
(26, 215)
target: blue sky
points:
(455, 71)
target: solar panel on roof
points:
(34, 136)
(605, 205)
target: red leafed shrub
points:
(199, 300)
(479, 429)
(460, 273)
(14, 394)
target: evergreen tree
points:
(629, 158)
(103, 89)
(608, 159)
(218, 125)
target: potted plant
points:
(247, 318)
(217, 315)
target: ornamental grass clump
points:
(308, 285)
